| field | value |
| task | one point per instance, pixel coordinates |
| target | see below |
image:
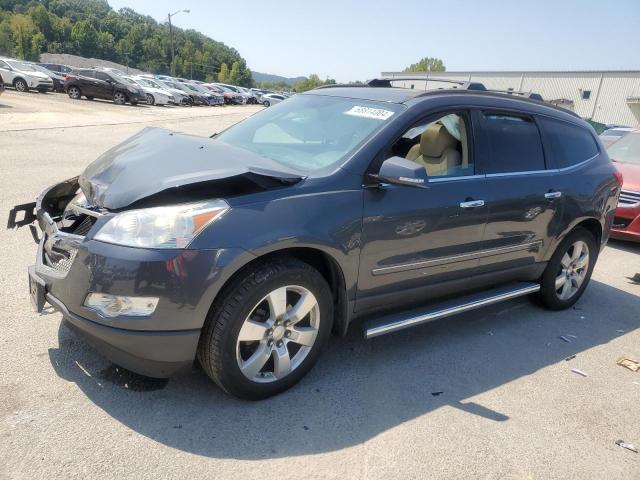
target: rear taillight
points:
(618, 176)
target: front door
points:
(421, 243)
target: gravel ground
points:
(509, 406)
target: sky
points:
(356, 40)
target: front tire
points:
(150, 99)
(20, 85)
(119, 98)
(569, 270)
(266, 103)
(265, 331)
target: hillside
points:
(267, 77)
(92, 29)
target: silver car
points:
(271, 99)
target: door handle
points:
(472, 204)
(552, 195)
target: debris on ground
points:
(570, 357)
(635, 278)
(628, 446)
(625, 362)
(571, 336)
(579, 372)
(435, 394)
(564, 339)
(620, 331)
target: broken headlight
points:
(161, 227)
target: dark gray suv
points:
(244, 251)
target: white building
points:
(604, 97)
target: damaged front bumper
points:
(70, 265)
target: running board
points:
(395, 322)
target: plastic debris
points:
(564, 339)
(435, 394)
(571, 336)
(581, 317)
(625, 362)
(579, 372)
(620, 331)
(628, 446)
(570, 357)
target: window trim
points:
(549, 150)
(485, 164)
(378, 159)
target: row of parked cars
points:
(120, 87)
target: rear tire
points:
(74, 93)
(150, 99)
(569, 270)
(266, 103)
(252, 344)
(20, 85)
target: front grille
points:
(62, 263)
(628, 197)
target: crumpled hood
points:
(156, 160)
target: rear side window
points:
(514, 143)
(570, 144)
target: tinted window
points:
(514, 143)
(569, 143)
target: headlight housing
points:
(161, 227)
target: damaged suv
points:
(244, 251)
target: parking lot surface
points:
(487, 394)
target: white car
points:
(614, 134)
(23, 76)
(155, 96)
(176, 97)
(271, 99)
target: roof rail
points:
(530, 95)
(464, 85)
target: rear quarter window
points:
(570, 144)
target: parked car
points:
(230, 97)
(57, 67)
(197, 98)
(23, 76)
(612, 135)
(271, 99)
(186, 99)
(213, 98)
(247, 97)
(626, 155)
(341, 203)
(58, 78)
(176, 97)
(92, 83)
(153, 95)
(1, 85)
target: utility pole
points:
(173, 53)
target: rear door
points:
(103, 85)
(524, 195)
(86, 82)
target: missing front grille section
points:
(83, 225)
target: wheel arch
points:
(591, 224)
(319, 259)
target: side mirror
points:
(400, 171)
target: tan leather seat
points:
(437, 151)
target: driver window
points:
(440, 145)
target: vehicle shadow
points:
(360, 388)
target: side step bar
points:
(395, 322)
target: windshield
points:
(310, 132)
(627, 149)
(25, 67)
(41, 69)
(146, 83)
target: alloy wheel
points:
(278, 334)
(150, 99)
(74, 93)
(21, 86)
(119, 98)
(574, 266)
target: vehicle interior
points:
(441, 146)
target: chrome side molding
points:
(393, 323)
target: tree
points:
(6, 40)
(85, 38)
(313, 81)
(38, 44)
(427, 64)
(23, 30)
(223, 75)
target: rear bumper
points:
(155, 354)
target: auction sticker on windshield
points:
(368, 112)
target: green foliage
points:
(92, 29)
(278, 86)
(312, 82)
(427, 64)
